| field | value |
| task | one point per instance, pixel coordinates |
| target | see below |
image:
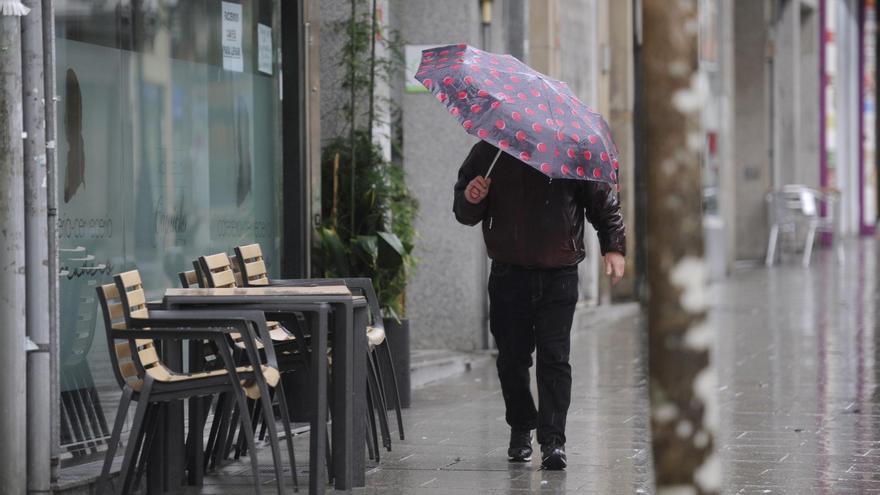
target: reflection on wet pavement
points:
(797, 360)
(798, 384)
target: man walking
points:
(533, 227)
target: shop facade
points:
(175, 140)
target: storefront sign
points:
(231, 33)
(264, 49)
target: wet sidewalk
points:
(799, 367)
(797, 361)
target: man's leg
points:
(553, 316)
(511, 322)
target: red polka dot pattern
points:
(469, 83)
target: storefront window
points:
(168, 149)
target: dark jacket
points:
(533, 221)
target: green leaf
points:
(333, 252)
(365, 247)
(391, 251)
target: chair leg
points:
(223, 432)
(269, 418)
(771, 245)
(328, 455)
(240, 444)
(371, 419)
(150, 421)
(229, 438)
(248, 428)
(369, 439)
(395, 388)
(121, 413)
(219, 411)
(288, 433)
(808, 247)
(375, 386)
(134, 438)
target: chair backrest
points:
(792, 202)
(132, 295)
(217, 270)
(233, 262)
(120, 352)
(252, 265)
(188, 279)
(121, 302)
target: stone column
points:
(752, 177)
(620, 118)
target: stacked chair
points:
(253, 273)
(132, 330)
(243, 356)
(218, 270)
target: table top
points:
(323, 290)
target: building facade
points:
(177, 137)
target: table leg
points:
(318, 445)
(196, 450)
(359, 398)
(343, 388)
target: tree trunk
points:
(682, 387)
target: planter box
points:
(397, 335)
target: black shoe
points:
(520, 446)
(553, 457)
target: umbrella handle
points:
(493, 163)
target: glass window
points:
(168, 149)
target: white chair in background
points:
(796, 205)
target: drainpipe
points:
(52, 233)
(36, 249)
(13, 360)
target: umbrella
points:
(527, 114)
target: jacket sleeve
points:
(602, 209)
(465, 212)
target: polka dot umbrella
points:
(521, 111)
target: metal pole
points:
(36, 249)
(683, 394)
(52, 212)
(13, 360)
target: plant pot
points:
(397, 336)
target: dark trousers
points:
(532, 309)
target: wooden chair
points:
(254, 273)
(217, 271)
(146, 379)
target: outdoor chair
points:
(254, 273)
(146, 379)
(216, 271)
(84, 428)
(794, 206)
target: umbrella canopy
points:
(524, 113)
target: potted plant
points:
(367, 212)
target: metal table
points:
(349, 320)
